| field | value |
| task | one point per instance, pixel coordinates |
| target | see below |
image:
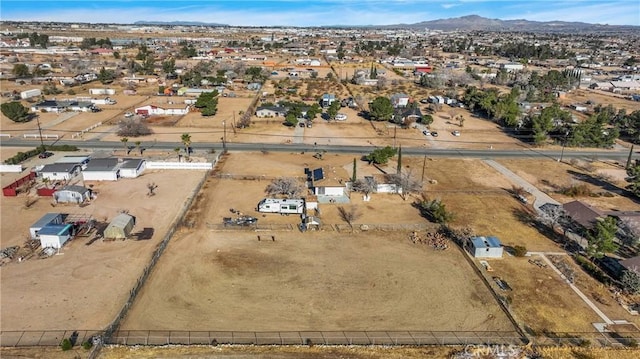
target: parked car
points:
(301, 124)
(341, 117)
(45, 154)
(128, 114)
(426, 132)
(434, 134)
(456, 133)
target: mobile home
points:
(282, 206)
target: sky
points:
(317, 12)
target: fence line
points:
(36, 135)
(180, 165)
(158, 337)
(31, 338)
(340, 227)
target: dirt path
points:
(541, 197)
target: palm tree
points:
(186, 140)
(177, 151)
(138, 146)
(124, 141)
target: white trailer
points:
(105, 101)
(282, 206)
(30, 93)
(102, 91)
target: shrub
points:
(519, 251)
(87, 344)
(592, 269)
(577, 190)
(133, 128)
(23, 156)
(66, 344)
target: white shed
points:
(55, 235)
(132, 168)
(60, 171)
(486, 247)
(72, 194)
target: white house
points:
(132, 168)
(72, 194)
(271, 111)
(151, 110)
(399, 100)
(330, 181)
(486, 247)
(102, 169)
(60, 171)
(283, 206)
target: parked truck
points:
(282, 206)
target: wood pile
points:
(436, 240)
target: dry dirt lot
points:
(211, 280)
(86, 285)
(600, 177)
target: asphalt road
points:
(620, 155)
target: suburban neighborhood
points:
(442, 187)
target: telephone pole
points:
(40, 131)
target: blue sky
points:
(318, 12)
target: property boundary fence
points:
(314, 337)
(33, 338)
(340, 227)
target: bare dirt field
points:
(316, 280)
(600, 97)
(86, 285)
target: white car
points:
(456, 133)
(341, 117)
(128, 114)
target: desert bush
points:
(577, 190)
(519, 251)
(65, 344)
(133, 128)
(87, 344)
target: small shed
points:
(132, 168)
(120, 227)
(47, 219)
(72, 194)
(55, 235)
(486, 247)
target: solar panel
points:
(318, 174)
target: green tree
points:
(381, 155)
(106, 76)
(256, 74)
(381, 109)
(434, 210)
(633, 173)
(124, 141)
(15, 111)
(313, 111)
(290, 120)
(333, 109)
(21, 70)
(186, 141)
(601, 238)
(169, 66)
(426, 120)
(631, 282)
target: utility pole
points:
(395, 128)
(629, 158)
(40, 131)
(424, 164)
(224, 136)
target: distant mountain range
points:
(464, 23)
(479, 23)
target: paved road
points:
(541, 197)
(620, 155)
